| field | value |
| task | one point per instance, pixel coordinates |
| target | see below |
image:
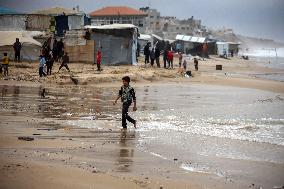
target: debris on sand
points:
(26, 138)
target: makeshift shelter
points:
(118, 42)
(143, 39)
(192, 45)
(227, 48)
(30, 47)
(65, 19)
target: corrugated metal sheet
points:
(75, 22)
(38, 22)
(12, 22)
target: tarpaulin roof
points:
(56, 11)
(189, 38)
(145, 37)
(111, 26)
(9, 38)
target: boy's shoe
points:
(135, 124)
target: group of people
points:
(50, 55)
(152, 55)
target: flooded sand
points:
(227, 135)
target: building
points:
(118, 43)
(118, 15)
(168, 26)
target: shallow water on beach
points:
(205, 128)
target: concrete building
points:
(118, 15)
(169, 27)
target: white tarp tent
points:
(30, 47)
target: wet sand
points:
(78, 142)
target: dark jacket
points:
(127, 94)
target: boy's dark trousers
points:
(65, 65)
(125, 116)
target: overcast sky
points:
(258, 18)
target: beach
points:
(217, 129)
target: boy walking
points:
(65, 61)
(5, 63)
(127, 94)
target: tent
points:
(30, 47)
(118, 42)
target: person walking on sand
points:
(99, 58)
(127, 94)
(5, 63)
(65, 61)
(17, 49)
(196, 64)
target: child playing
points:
(126, 93)
(5, 63)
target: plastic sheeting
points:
(12, 22)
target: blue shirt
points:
(42, 62)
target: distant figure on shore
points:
(138, 51)
(5, 63)
(41, 67)
(54, 50)
(17, 49)
(49, 63)
(165, 58)
(184, 64)
(196, 64)
(170, 59)
(99, 59)
(147, 53)
(157, 56)
(179, 58)
(65, 61)
(152, 56)
(127, 94)
(60, 49)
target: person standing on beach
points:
(152, 56)
(5, 63)
(157, 56)
(17, 49)
(147, 53)
(196, 64)
(170, 59)
(60, 49)
(127, 94)
(65, 61)
(42, 64)
(49, 63)
(165, 58)
(179, 58)
(99, 58)
(54, 50)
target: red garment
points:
(170, 55)
(99, 57)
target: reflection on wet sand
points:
(126, 152)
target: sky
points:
(255, 18)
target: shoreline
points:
(64, 156)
